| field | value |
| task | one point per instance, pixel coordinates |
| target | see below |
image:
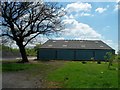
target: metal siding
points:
(65, 54)
(48, 54)
(84, 54)
(99, 54)
(70, 54)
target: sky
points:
(90, 21)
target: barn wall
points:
(84, 54)
(71, 54)
(99, 54)
(47, 54)
(65, 54)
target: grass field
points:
(70, 74)
(13, 67)
(90, 75)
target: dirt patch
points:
(53, 85)
(19, 80)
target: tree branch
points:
(8, 36)
(31, 39)
(42, 18)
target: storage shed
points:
(73, 50)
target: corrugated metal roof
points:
(76, 44)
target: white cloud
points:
(71, 16)
(109, 41)
(100, 10)
(62, 12)
(116, 7)
(112, 44)
(107, 28)
(59, 38)
(41, 39)
(75, 29)
(117, 1)
(82, 14)
(77, 7)
(65, 17)
(85, 14)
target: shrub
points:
(110, 57)
(98, 62)
(84, 62)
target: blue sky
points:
(91, 21)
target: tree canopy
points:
(24, 21)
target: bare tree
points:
(24, 21)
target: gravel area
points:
(20, 80)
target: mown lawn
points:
(90, 75)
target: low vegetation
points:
(90, 75)
(31, 52)
(12, 67)
(70, 74)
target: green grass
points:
(78, 75)
(12, 66)
(69, 74)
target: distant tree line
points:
(14, 52)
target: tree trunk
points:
(23, 53)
